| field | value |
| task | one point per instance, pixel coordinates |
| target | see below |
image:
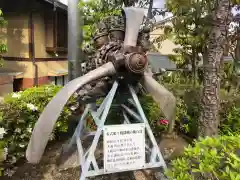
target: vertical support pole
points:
(74, 40)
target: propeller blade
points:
(45, 124)
(133, 21)
(161, 95)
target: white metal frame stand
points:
(87, 159)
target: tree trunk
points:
(209, 120)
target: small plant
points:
(210, 159)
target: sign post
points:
(126, 147)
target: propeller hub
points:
(136, 62)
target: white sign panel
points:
(124, 147)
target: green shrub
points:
(20, 111)
(183, 119)
(230, 114)
(152, 112)
(210, 159)
(3, 46)
(230, 123)
(2, 153)
(151, 108)
(189, 108)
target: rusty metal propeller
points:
(131, 61)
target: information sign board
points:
(124, 147)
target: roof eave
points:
(58, 4)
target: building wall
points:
(167, 45)
(29, 82)
(43, 36)
(21, 66)
(6, 85)
(18, 59)
(49, 68)
(39, 36)
(49, 30)
(45, 68)
(16, 35)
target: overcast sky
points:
(64, 1)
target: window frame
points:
(55, 48)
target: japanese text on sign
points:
(124, 147)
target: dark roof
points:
(158, 61)
(57, 4)
(162, 22)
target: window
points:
(62, 33)
(58, 80)
(56, 24)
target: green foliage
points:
(154, 115)
(3, 47)
(189, 108)
(183, 119)
(150, 107)
(152, 112)
(176, 77)
(230, 123)
(190, 28)
(229, 77)
(20, 111)
(210, 159)
(2, 153)
(94, 11)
